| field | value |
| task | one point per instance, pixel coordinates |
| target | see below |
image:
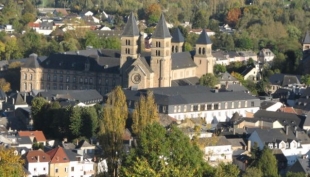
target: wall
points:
(63, 170)
(42, 168)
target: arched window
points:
(172, 49)
(128, 51)
(204, 51)
(25, 86)
(25, 76)
(30, 76)
(199, 51)
(158, 44)
(30, 86)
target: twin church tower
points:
(167, 64)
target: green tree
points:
(252, 172)
(76, 123)
(305, 79)
(292, 174)
(208, 80)
(267, 163)
(145, 113)
(112, 127)
(90, 122)
(165, 153)
(37, 113)
(153, 13)
(218, 68)
(244, 43)
(227, 170)
(91, 39)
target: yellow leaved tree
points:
(11, 164)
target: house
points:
(60, 162)
(127, 67)
(195, 101)
(301, 166)
(76, 97)
(24, 116)
(35, 136)
(221, 57)
(37, 162)
(86, 13)
(292, 142)
(83, 148)
(265, 56)
(21, 142)
(283, 81)
(15, 100)
(252, 73)
(79, 166)
(7, 28)
(271, 105)
(303, 101)
(246, 55)
(216, 150)
(198, 31)
(229, 83)
(269, 119)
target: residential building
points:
(265, 56)
(301, 166)
(79, 166)
(284, 81)
(292, 142)
(199, 31)
(35, 136)
(7, 28)
(104, 69)
(216, 150)
(37, 162)
(197, 102)
(271, 105)
(60, 162)
(72, 97)
(252, 73)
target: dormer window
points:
(270, 145)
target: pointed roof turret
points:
(204, 38)
(177, 36)
(161, 30)
(131, 28)
(307, 38)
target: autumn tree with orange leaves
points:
(153, 13)
(233, 16)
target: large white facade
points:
(217, 154)
(38, 168)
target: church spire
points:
(204, 38)
(161, 31)
(131, 28)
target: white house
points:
(79, 166)
(217, 149)
(293, 143)
(265, 56)
(37, 162)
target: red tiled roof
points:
(32, 24)
(37, 156)
(58, 155)
(288, 110)
(39, 135)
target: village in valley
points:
(163, 88)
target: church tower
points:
(129, 41)
(161, 54)
(177, 41)
(203, 57)
(306, 42)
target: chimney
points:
(38, 159)
(296, 134)
(249, 146)
(13, 101)
(286, 129)
(25, 95)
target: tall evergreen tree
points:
(267, 163)
(112, 127)
(145, 113)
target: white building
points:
(195, 101)
(265, 56)
(293, 143)
(217, 149)
(37, 162)
(79, 166)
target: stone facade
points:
(104, 69)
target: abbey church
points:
(165, 65)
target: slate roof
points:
(71, 155)
(203, 38)
(284, 79)
(283, 118)
(247, 70)
(177, 36)
(37, 156)
(78, 95)
(99, 61)
(220, 141)
(300, 166)
(266, 104)
(32, 62)
(58, 155)
(23, 140)
(84, 144)
(186, 81)
(235, 88)
(187, 95)
(307, 38)
(182, 60)
(161, 30)
(131, 28)
(226, 77)
(236, 142)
